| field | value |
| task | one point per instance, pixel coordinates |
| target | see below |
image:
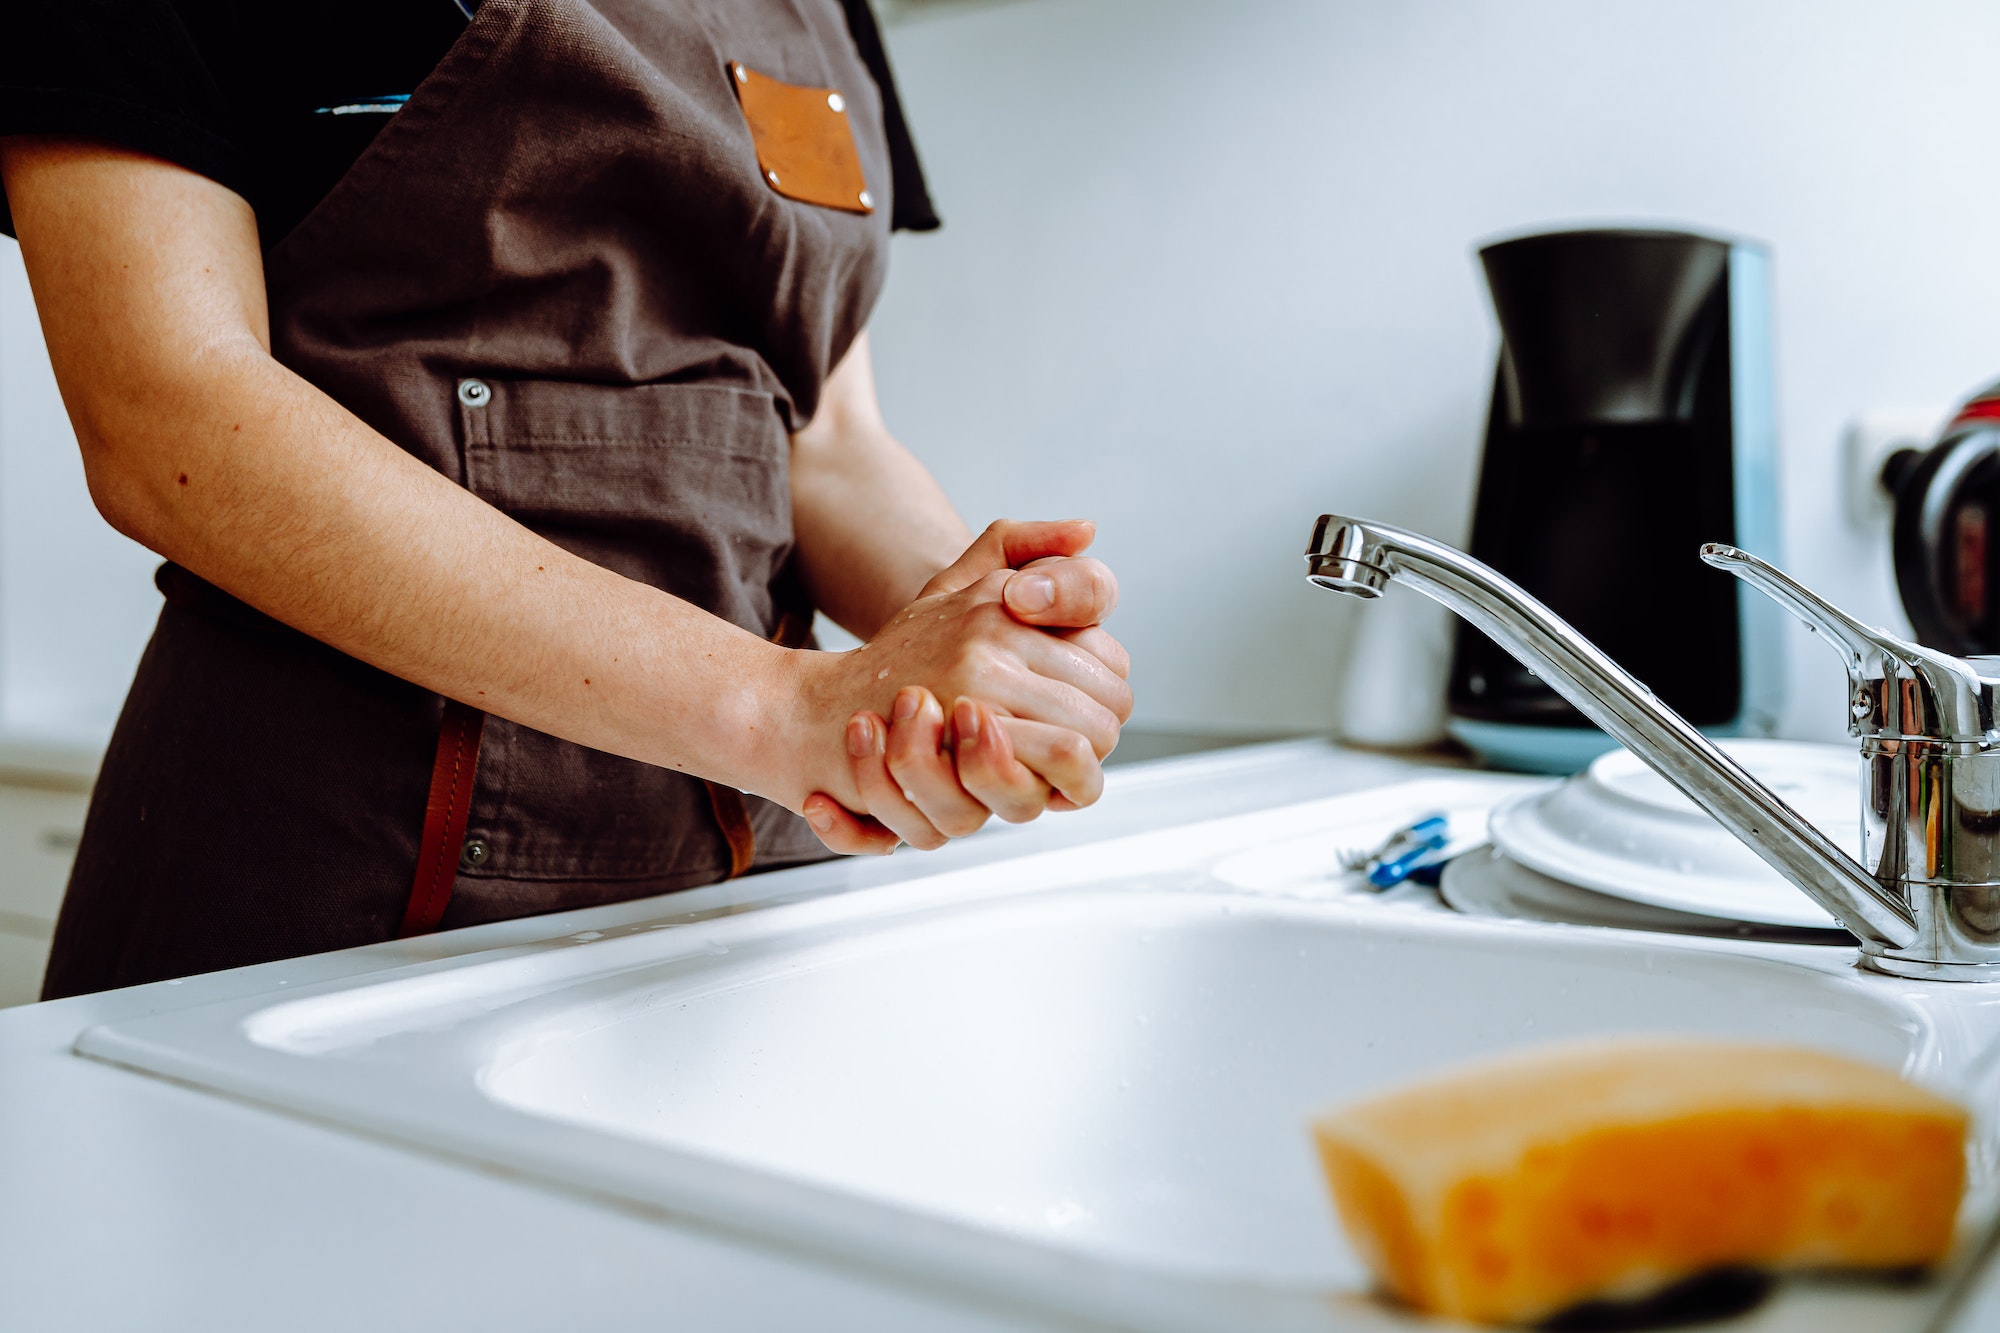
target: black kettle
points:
(1946, 535)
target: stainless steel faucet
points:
(1929, 906)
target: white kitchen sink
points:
(1078, 1080)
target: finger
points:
(844, 831)
(1059, 660)
(988, 768)
(922, 768)
(867, 751)
(1016, 687)
(1059, 757)
(1008, 544)
(1033, 673)
(1064, 593)
(1100, 645)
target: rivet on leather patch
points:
(805, 146)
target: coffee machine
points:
(1631, 421)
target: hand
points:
(1005, 765)
(926, 782)
(1048, 583)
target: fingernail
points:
(965, 721)
(907, 703)
(860, 738)
(1031, 593)
(819, 817)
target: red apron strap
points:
(445, 812)
(733, 818)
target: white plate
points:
(1485, 882)
(1620, 829)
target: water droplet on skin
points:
(883, 674)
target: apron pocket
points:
(686, 487)
(683, 486)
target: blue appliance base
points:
(1554, 750)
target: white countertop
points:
(131, 1202)
(128, 1202)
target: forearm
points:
(872, 525)
(254, 480)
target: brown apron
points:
(560, 276)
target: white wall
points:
(76, 599)
(1207, 272)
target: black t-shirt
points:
(270, 98)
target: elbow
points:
(119, 489)
(141, 433)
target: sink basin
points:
(1078, 1080)
(1125, 1074)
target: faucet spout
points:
(1360, 558)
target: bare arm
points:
(201, 446)
(872, 525)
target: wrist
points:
(793, 750)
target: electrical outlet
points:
(1869, 441)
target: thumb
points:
(1010, 544)
(846, 832)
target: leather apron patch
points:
(804, 142)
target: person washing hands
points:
(494, 380)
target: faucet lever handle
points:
(1941, 697)
(1857, 641)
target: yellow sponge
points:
(1605, 1170)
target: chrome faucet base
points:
(1919, 969)
(1925, 901)
(1958, 934)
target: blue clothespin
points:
(1407, 851)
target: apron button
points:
(836, 101)
(474, 393)
(477, 852)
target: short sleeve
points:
(124, 71)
